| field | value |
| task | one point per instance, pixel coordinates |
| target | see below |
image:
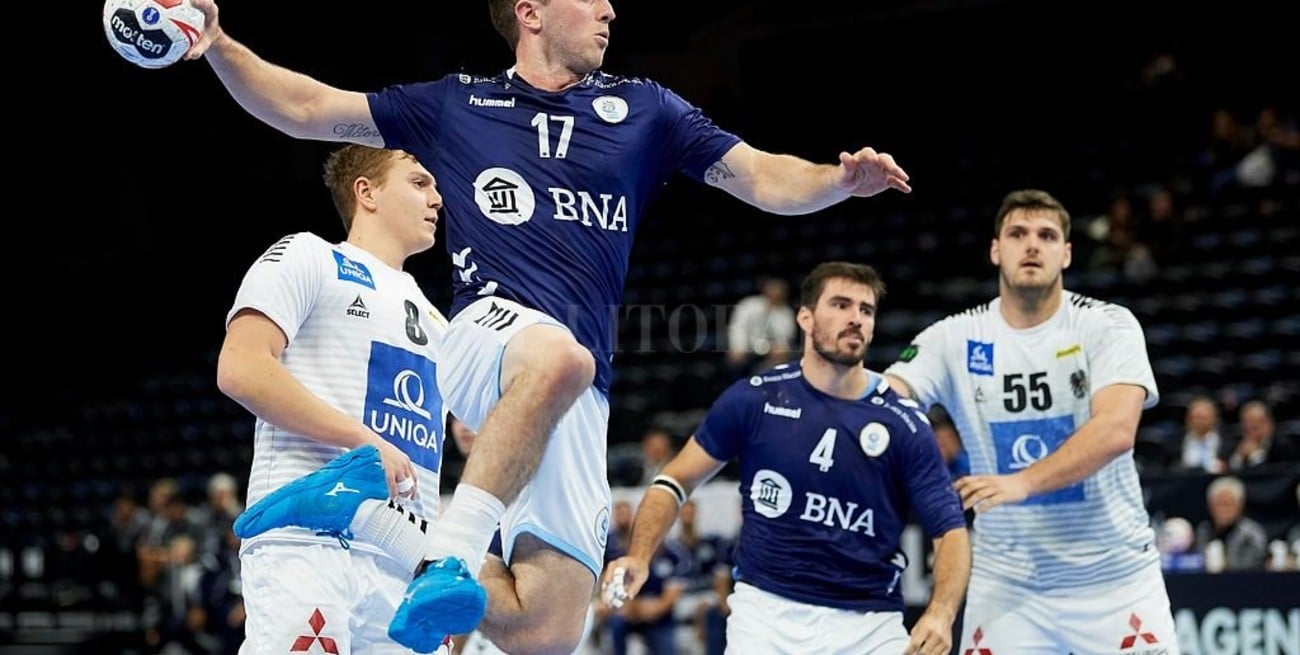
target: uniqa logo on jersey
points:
(403, 405)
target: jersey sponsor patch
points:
(504, 197)
(771, 493)
(979, 357)
(611, 109)
(874, 439)
(909, 353)
(403, 404)
(1021, 443)
(353, 271)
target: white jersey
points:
(1015, 396)
(363, 338)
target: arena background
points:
(153, 192)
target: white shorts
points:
(566, 504)
(763, 623)
(1130, 617)
(319, 598)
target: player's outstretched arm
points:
(655, 515)
(1112, 431)
(788, 185)
(932, 633)
(293, 103)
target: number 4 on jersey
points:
(824, 454)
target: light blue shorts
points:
(567, 502)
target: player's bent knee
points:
(551, 359)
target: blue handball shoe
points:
(325, 500)
(444, 599)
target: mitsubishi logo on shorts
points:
(1136, 623)
(976, 650)
(304, 643)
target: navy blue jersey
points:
(544, 190)
(829, 484)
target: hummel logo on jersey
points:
(491, 102)
(358, 309)
(784, 412)
(339, 488)
(497, 318)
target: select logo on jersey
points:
(358, 308)
(403, 404)
(611, 109)
(771, 493)
(353, 271)
(874, 439)
(1021, 443)
(504, 197)
(979, 357)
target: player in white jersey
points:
(1046, 388)
(832, 462)
(334, 348)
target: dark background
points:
(155, 190)
(162, 190)
(138, 198)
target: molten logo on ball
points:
(152, 33)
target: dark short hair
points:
(1031, 199)
(813, 285)
(503, 19)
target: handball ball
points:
(152, 33)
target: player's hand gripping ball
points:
(152, 33)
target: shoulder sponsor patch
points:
(353, 271)
(1072, 350)
(909, 353)
(979, 357)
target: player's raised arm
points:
(655, 515)
(785, 184)
(293, 103)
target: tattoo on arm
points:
(717, 173)
(350, 131)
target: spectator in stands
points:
(1242, 541)
(1230, 142)
(657, 449)
(1176, 540)
(1164, 230)
(211, 517)
(1259, 442)
(1121, 250)
(218, 605)
(1202, 443)
(620, 528)
(710, 578)
(761, 329)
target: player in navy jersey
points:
(832, 463)
(546, 170)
